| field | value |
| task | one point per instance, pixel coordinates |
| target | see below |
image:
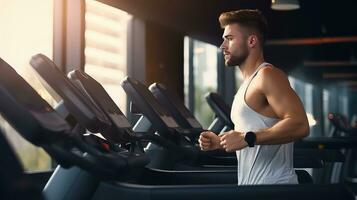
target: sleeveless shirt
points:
(261, 164)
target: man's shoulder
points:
(271, 71)
(272, 76)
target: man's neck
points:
(249, 66)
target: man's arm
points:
(287, 106)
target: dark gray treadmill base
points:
(125, 191)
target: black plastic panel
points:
(81, 108)
(25, 110)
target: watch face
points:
(250, 138)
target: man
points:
(267, 114)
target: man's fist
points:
(233, 141)
(209, 141)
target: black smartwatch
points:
(250, 138)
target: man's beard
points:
(236, 60)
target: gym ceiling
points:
(317, 43)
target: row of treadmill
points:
(157, 158)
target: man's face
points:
(234, 45)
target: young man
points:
(267, 114)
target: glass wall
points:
(204, 69)
(106, 47)
(326, 99)
(26, 30)
(305, 91)
(186, 71)
(335, 100)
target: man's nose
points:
(223, 46)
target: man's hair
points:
(253, 20)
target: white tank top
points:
(261, 164)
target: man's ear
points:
(252, 41)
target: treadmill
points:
(98, 95)
(183, 115)
(159, 117)
(340, 127)
(38, 123)
(177, 109)
(73, 97)
(302, 158)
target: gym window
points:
(305, 91)
(201, 66)
(106, 47)
(26, 29)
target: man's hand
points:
(209, 141)
(233, 141)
